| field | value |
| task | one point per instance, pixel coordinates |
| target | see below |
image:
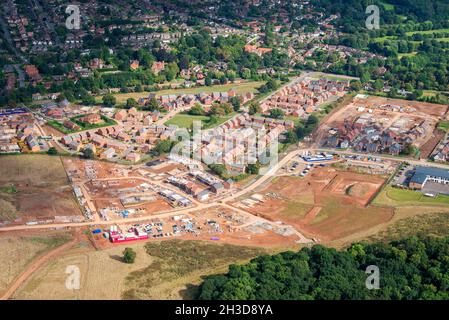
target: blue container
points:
(96, 231)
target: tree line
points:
(409, 269)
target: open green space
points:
(434, 224)
(427, 31)
(59, 126)
(388, 6)
(177, 262)
(84, 126)
(240, 88)
(87, 126)
(412, 54)
(184, 120)
(444, 125)
(391, 196)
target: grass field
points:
(444, 125)
(184, 120)
(162, 270)
(394, 38)
(59, 126)
(412, 54)
(250, 86)
(102, 274)
(18, 251)
(427, 31)
(179, 267)
(330, 76)
(398, 197)
(387, 6)
(84, 126)
(32, 169)
(429, 224)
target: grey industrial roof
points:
(421, 173)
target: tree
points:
(408, 150)
(88, 100)
(163, 146)
(356, 85)
(235, 101)
(221, 109)
(254, 108)
(218, 169)
(197, 110)
(88, 153)
(252, 168)
(378, 85)
(131, 103)
(129, 255)
(152, 105)
(61, 97)
(52, 151)
(109, 100)
(312, 120)
(276, 113)
(291, 137)
(412, 269)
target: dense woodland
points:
(410, 269)
(415, 60)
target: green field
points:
(331, 76)
(444, 125)
(184, 120)
(411, 33)
(399, 197)
(249, 86)
(387, 6)
(412, 54)
(427, 31)
(443, 97)
(84, 126)
(59, 126)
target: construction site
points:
(381, 125)
(327, 203)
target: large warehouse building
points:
(434, 179)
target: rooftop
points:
(421, 173)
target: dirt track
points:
(34, 266)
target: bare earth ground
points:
(42, 187)
(431, 144)
(424, 111)
(431, 109)
(327, 204)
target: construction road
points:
(198, 206)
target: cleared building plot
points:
(37, 188)
(327, 204)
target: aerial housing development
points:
(215, 150)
